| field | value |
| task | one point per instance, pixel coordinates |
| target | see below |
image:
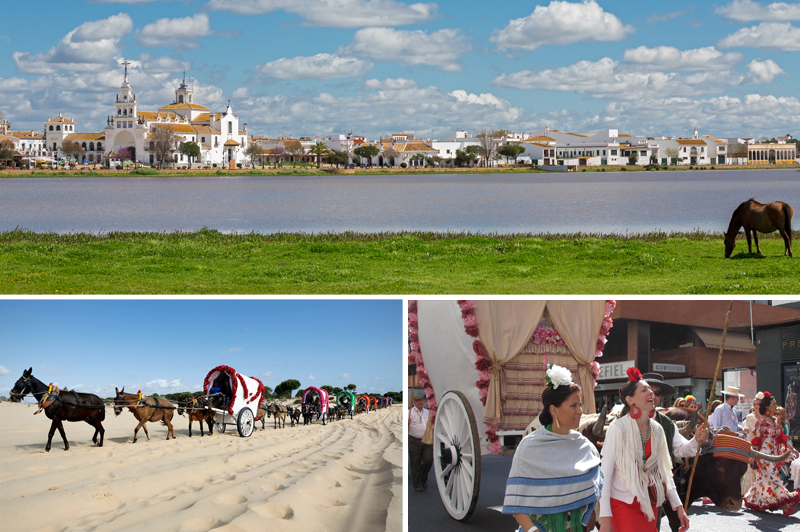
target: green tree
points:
(511, 151)
(328, 388)
(284, 389)
(633, 157)
(189, 149)
(338, 158)
(293, 148)
(350, 388)
(653, 158)
(367, 152)
(6, 150)
(319, 149)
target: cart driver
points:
(220, 392)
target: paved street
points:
(426, 512)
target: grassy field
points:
(208, 262)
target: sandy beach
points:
(346, 476)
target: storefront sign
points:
(614, 370)
(790, 343)
(670, 368)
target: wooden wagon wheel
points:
(245, 422)
(457, 455)
(325, 418)
(219, 423)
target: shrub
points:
(603, 170)
(144, 171)
(238, 165)
(403, 165)
(624, 169)
(712, 168)
(118, 167)
(215, 165)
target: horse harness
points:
(53, 394)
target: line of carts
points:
(235, 399)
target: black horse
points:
(64, 406)
(294, 415)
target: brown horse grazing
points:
(145, 409)
(760, 218)
(194, 408)
(61, 406)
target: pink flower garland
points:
(415, 357)
(482, 363)
(605, 327)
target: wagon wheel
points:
(457, 455)
(245, 422)
(351, 414)
(219, 427)
(325, 418)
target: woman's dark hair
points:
(765, 402)
(555, 397)
(628, 390)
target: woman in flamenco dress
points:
(768, 492)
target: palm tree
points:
(319, 149)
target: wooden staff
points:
(711, 400)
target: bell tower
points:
(184, 93)
(126, 101)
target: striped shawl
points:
(553, 474)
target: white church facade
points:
(218, 135)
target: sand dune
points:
(346, 476)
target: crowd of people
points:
(558, 476)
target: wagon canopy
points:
(322, 393)
(373, 400)
(364, 399)
(346, 397)
(496, 352)
(245, 391)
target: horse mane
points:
(737, 211)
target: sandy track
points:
(346, 476)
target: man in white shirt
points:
(420, 454)
(724, 416)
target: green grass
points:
(208, 262)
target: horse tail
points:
(787, 213)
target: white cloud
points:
(160, 385)
(608, 79)
(91, 47)
(727, 115)
(671, 58)
(442, 49)
(179, 33)
(156, 65)
(312, 377)
(748, 11)
(603, 79)
(320, 66)
(268, 375)
(336, 13)
(380, 106)
(759, 72)
(5, 371)
(562, 23)
(231, 350)
(344, 375)
(783, 37)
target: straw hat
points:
(733, 390)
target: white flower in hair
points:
(558, 376)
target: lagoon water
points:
(488, 203)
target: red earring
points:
(652, 413)
(635, 412)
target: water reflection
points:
(503, 203)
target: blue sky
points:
(168, 346)
(376, 67)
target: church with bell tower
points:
(130, 129)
